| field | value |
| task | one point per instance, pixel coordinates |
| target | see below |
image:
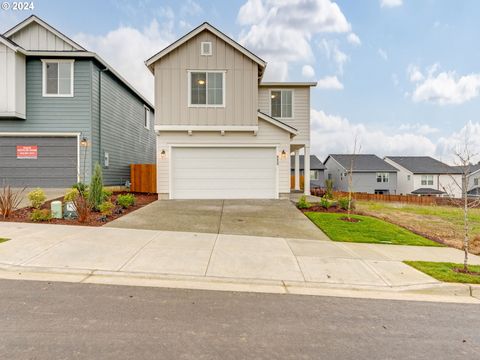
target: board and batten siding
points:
(12, 86)
(36, 37)
(171, 85)
(301, 110)
(57, 114)
(268, 134)
(118, 128)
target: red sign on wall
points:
(27, 151)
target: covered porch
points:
(296, 150)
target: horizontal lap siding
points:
(267, 134)
(57, 114)
(301, 111)
(123, 134)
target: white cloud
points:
(335, 134)
(190, 8)
(330, 83)
(422, 129)
(308, 71)
(391, 3)
(276, 71)
(280, 31)
(447, 145)
(126, 48)
(332, 51)
(383, 54)
(353, 39)
(443, 88)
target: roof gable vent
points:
(206, 48)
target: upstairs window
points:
(207, 88)
(146, 119)
(382, 177)
(281, 103)
(427, 180)
(475, 181)
(58, 78)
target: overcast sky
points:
(401, 75)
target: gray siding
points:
(118, 128)
(362, 182)
(57, 114)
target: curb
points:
(452, 293)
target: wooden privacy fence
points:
(292, 181)
(143, 178)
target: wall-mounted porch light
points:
(283, 155)
(84, 142)
(163, 154)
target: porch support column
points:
(306, 170)
(297, 169)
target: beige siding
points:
(12, 86)
(268, 134)
(301, 111)
(36, 37)
(171, 85)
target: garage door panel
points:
(55, 165)
(224, 173)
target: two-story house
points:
(424, 175)
(63, 109)
(369, 173)
(222, 133)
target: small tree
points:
(356, 149)
(95, 194)
(329, 189)
(463, 161)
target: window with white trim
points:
(146, 118)
(205, 48)
(281, 103)
(427, 180)
(475, 181)
(58, 78)
(383, 177)
(314, 174)
(207, 88)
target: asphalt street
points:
(42, 320)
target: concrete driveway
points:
(274, 218)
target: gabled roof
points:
(472, 169)
(9, 43)
(315, 163)
(278, 123)
(362, 162)
(195, 32)
(428, 191)
(423, 165)
(35, 19)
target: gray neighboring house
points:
(63, 109)
(317, 170)
(473, 179)
(370, 173)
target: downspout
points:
(100, 157)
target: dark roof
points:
(427, 191)
(315, 163)
(423, 165)
(10, 41)
(362, 162)
(472, 169)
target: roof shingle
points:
(362, 162)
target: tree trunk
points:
(465, 229)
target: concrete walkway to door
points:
(274, 218)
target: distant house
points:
(370, 173)
(424, 175)
(63, 109)
(317, 170)
(473, 179)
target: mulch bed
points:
(318, 208)
(94, 219)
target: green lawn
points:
(3, 240)
(367, 230)
(443, 271)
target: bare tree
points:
(463, 161)
(356, 149)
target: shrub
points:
(95, 193)
(9, 200)
(126, 200)
(106, 194)
(325, 203)
(81, 187)
(106, 208)
(70, 195)
(37, 198)
(303, 203)
(343, 203)
(329, 188)
(38, 215)
(79, 198)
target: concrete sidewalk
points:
(219, 261)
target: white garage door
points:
(224, 173)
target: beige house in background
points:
(222, 133)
